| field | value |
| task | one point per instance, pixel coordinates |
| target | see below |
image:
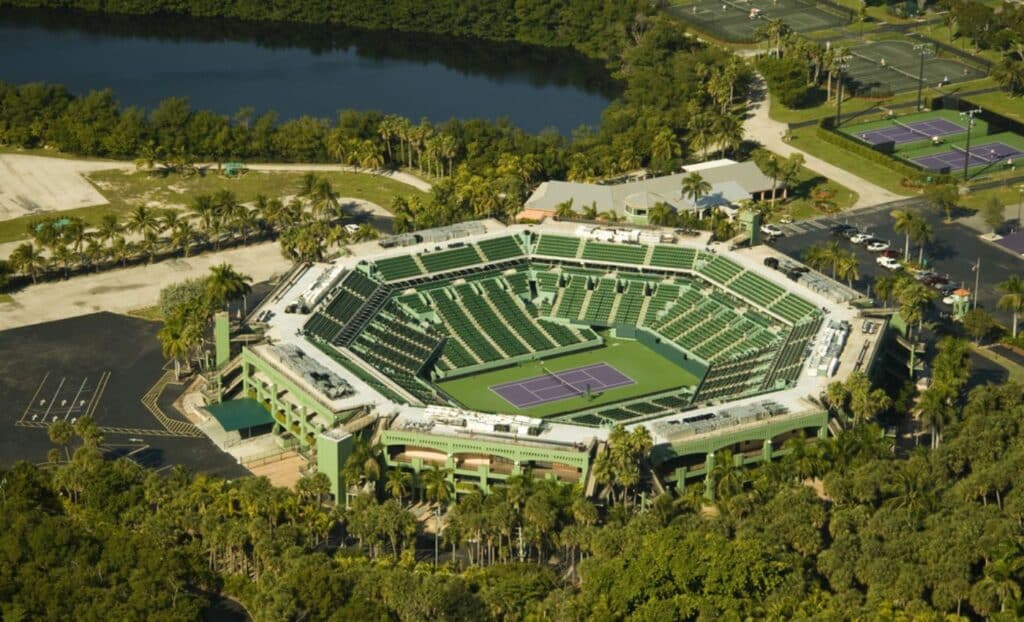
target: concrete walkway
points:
(760, 127)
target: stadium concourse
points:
(491, 351)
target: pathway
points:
(760, 127)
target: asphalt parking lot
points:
(953, 251)
(102, 365)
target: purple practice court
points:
(560, 385)
(980, 155)
(912, 132)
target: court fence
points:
(826, 131)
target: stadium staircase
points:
(372, 305)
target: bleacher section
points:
(557, 246)
(757, 289)
(497, 249)
(397, 347)
(673, 257)
(348, 297)
(794, 309)
(720, 270)
(450, 259)
(617, 253)
(396, 268)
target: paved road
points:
(954, 250)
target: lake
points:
(303, 70)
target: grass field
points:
(652, 373)
(125, 190)
(875, 172)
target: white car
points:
(860, 238)
(888, 263)
(771, 230)
(351, 228)
(877, 246)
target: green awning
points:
(240, 414)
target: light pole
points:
(1020, 206)
(977, 279)
(842, 65)
(969, 115)
(923, 49)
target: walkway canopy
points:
(240, 415)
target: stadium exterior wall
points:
(518, 455)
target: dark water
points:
(296, 70)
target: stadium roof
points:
(240, 414)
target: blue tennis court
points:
(912, 132)
(981, 155)
(561, 385)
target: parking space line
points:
(54, 399)
(75, 401)
(95, 401)
(32, 401)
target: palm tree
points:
(150, 245)
(109, 228)
(727, 131)
(182, 236)
(936, 410)
(921, 233)
(564, 210)
(1000, 578)
(913, 297)
(771, 166)
(120, 250)
(439, 489)
(822, 256)
(904, 223)
(94, 252)
(177, 340)
(590, 212)
(365, 232)
(28, 260)
(1012, 299)
(226, 284)
(63, 256)
(398, 483)
(848, 267)
(695, 187)
(60, 433)
(245, 221)
(661, 214)
(729, 479)
(143, 219)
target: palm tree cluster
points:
(915, 228)
(184, 335)
(619, 468)
(843, 263)
(1012, 299)
(307, 225)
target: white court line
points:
(74, 401)
(55, 394)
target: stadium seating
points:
(451, 259)
(631, 301)
(719, 269)
(617, 253)
(794, 309)
(756, 289)
(557, 246)
(497, 249)
(396, 268)
(673, 257)
(601, 301)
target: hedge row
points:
(829, 135)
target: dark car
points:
(842, 229)
(849, 232)
(771, 262)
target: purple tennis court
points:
(911, 132)
(981, 155)
(551, 387)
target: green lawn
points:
(125, 190)
(652, 373)
(875, 172)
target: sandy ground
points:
(123, 290)
(282, 472)
(36, 184)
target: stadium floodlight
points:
(969, 115)
(922, 49)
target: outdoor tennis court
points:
(988, 154)
(902, 133)
(619, 370)
(554, 386)
(885, 67)
(737, 20)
